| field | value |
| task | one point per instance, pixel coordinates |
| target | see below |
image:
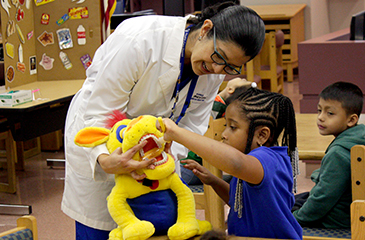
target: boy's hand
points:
(201, 172)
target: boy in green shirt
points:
(327, 205)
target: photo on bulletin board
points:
(33, 65)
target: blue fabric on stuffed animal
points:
(159, 208)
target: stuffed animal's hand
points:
(121, 163)
(201, 172)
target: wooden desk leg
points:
(26, 150)
(20, 156)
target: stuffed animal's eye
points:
(120, 133)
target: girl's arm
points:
(220, 155)
(219, 185)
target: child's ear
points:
(352, 120)
(230, 90)
(262, 135)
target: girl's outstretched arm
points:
(219, 185)
(220, 155)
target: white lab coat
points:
(134, 71)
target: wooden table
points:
(311, 144)
(45, 115)
(198, 237)
(290, 19)
(36, 118)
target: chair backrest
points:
(358, 172)
(358, 192)
(26, 230)
(270, 54)
(271, 70)
(214, 205)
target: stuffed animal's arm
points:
(185, 198)
(118, 206)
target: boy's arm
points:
(334, 180)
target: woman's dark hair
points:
(274, 110)
(235, 23)
(348, 94)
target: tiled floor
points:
(42, 187)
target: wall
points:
(320, 16)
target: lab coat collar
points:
(172, 58)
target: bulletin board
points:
(53, 46)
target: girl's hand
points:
(122, 163)
(169, 127)
(201, 172)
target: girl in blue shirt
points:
(261, 192)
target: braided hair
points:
(274, 110)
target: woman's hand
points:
(201, 172)
(121, 163)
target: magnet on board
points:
(45, 19)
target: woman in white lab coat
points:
(136, 71)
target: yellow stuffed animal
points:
(126, 134)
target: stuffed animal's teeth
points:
(163, 160)
(157, 140)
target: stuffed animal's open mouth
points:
(153, 149)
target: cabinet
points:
(325, 60)
(290, 19)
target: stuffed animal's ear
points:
(91, 136)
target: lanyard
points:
(194, 80)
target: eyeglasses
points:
(219, 59)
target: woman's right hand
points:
(122, 163)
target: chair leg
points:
(281, 83)
(274, 83)
(214, 209)
(289, 72)
(10, 146)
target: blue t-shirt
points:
(266, 210)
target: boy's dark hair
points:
(348, 94)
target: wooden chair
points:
(270, 62)
(358, 192)
(358, 199)
(250, 72)
(26, 229)
(10, 153)
(207, 199)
